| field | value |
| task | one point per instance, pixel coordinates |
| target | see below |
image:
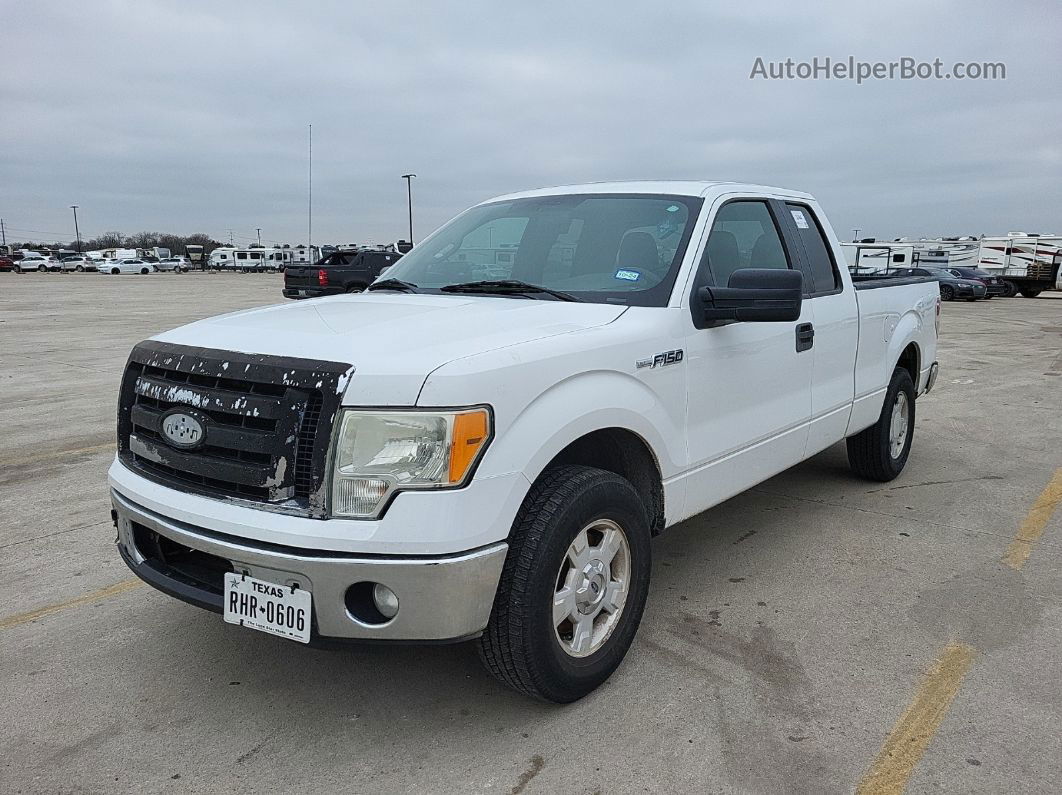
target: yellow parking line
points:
(59, 454)
(1035, 521)
(102, 593)
(913, 732)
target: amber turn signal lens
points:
(471, 430)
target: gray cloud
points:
(191, 116)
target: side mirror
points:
(755, 294)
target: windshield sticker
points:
(801, 221)
(631, 276)
(674, 208)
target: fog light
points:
(385, 600)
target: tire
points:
(144, 271)
(80, 268)
(522, 646)
(1029, 292)
(355, 289)
(871, 453)
(989, 297)
(947, 292)
(42, 269)
(115, 271)
(18, 269)
(972, 298)
(1011, 290)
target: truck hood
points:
(392, 340)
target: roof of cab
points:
(669, 187)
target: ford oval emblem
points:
(183, 429)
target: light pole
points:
(77, 232)
(409, 195)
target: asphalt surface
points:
(787, 630)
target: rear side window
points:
(819, 255)
(743, 235)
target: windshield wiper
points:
(393, 284)
(506, 287)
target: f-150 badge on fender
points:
(660, 360)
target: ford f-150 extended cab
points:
(482, 445)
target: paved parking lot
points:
(815, 634)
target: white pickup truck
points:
(483, 444)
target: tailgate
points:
(300, 276)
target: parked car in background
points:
(951, 287)
(77, 263)
(994, 285)
(36, 262)
(127, 266)
(345, 271)
(175, 264)
(6, 264)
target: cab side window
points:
(820, 257)
(743, 235)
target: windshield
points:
(598, 247)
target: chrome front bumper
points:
(440, 598)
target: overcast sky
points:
(192, 116)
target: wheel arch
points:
(624, 453)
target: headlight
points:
(378, 453)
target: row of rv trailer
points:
(252, 258)
(1028, 263)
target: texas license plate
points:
(268, 607)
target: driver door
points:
(748, 383)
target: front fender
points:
(583, 403)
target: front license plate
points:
(268, 607)
(303, 293)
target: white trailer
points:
(252, 259)
(1029, 263)
(872, 256)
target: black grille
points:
(311, 420)
(267, 422)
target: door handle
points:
(805, 336)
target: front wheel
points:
(1029, 292)
(573, 587)
(880, 452)
(42, 268)
(947, 292)
(80, 268)
(115, 271)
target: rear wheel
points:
(1029, 292)
(880, 452)
(573, 587)
(1009, 290)
(947, 292)
(355, 288)
(42, 268)
(144, 271)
